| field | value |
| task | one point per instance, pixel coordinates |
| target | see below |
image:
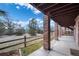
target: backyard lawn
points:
(31, 48)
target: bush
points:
(40, 31)
(32, 32)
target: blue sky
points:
(21, 13)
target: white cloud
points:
(40, 22)
(52, 23)
(36, 11)
(22, 23)
(17, 7)
(29, 6)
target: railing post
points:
(24, 41)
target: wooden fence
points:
(24, 42)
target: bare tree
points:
(2, 26)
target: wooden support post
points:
(59, 31)
(46, 40)
(56, 31)
(74, 33)
(24, 41)
(65, 31)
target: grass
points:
(31, 48)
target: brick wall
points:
(46, 40)
(76, 30)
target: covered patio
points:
(58, 48)
(65, 15)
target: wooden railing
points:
(24, 42)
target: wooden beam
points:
(70, 28)
(40, 5)
(65, 10)
(48, 8)
(37, 7)
(69, 12)
(53, 10)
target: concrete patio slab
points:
(58, 48)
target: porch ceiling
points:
(62, 13)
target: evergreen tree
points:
(32, 27)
